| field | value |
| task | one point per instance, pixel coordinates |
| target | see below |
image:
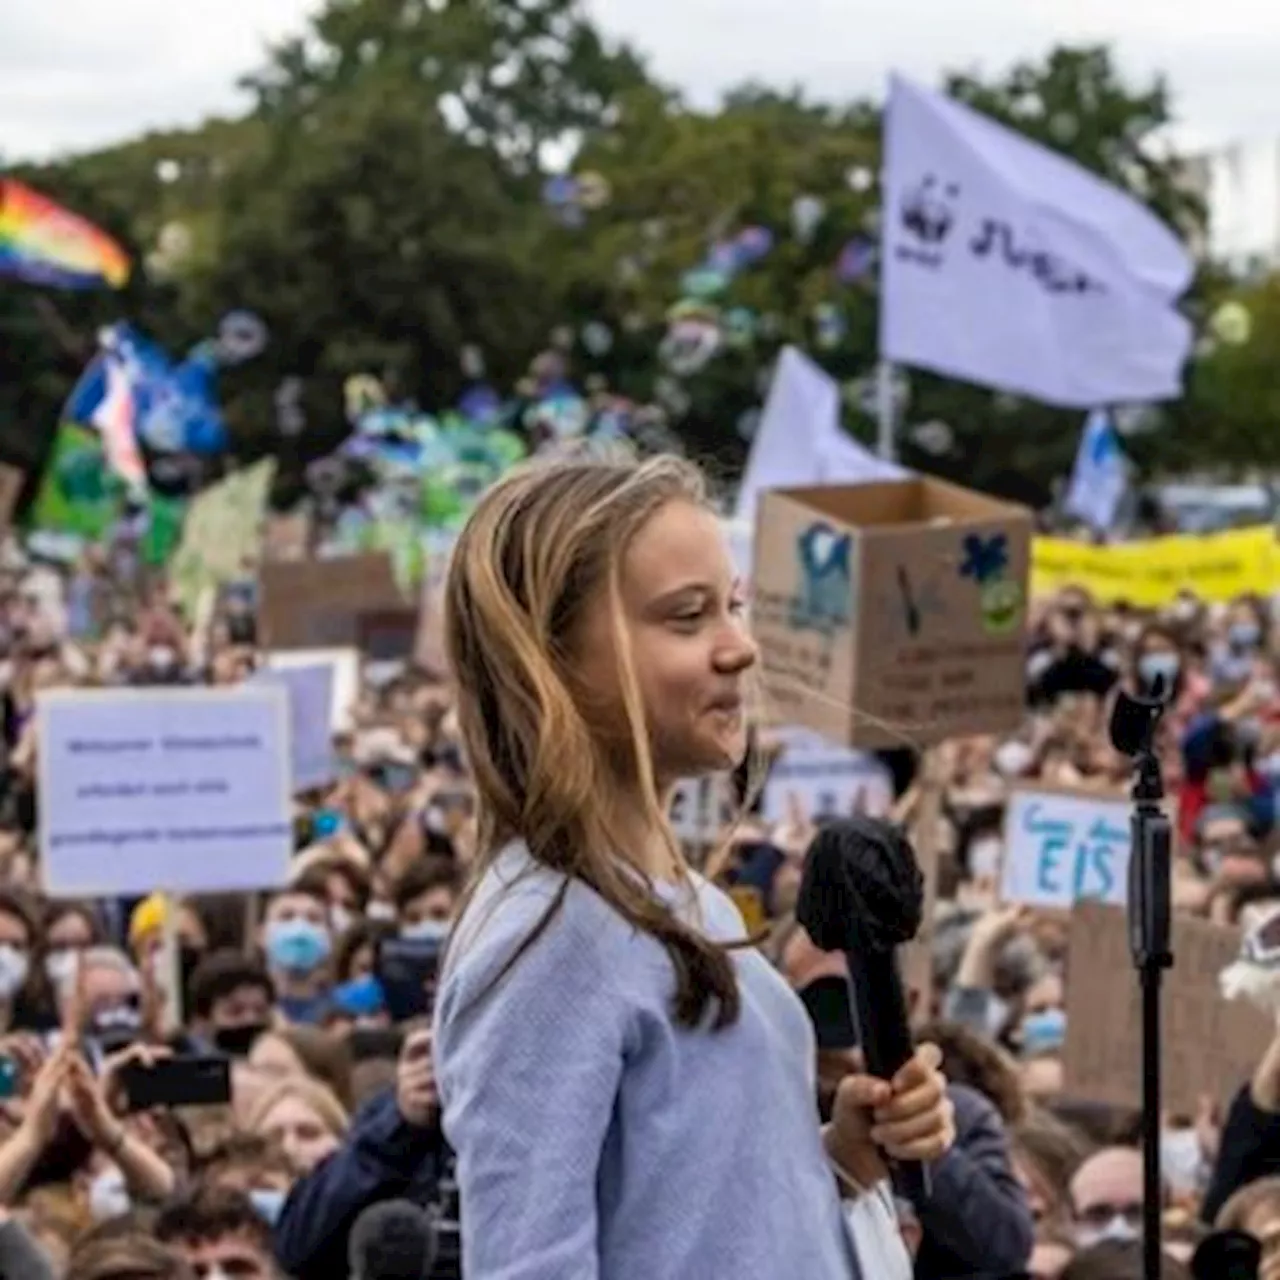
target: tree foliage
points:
(382, 208)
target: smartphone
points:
(183, 1081)
(368, 1043)
(9, 1073)
(407, 969)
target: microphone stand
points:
(1150, 944)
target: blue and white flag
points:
(1100, 476)
(1010, 266)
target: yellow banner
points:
(1150, 573)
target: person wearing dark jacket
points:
(976, 1224)
(394, 1150)
(1250, 1144)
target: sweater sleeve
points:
(978, 1211)
(529, 1064)
(1249, 1149)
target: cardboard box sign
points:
(892, 614)
(310, 603)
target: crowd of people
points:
(327, 1149)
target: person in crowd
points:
(426, 897)
(394, 1149)
(218, 1232)
(303, 1116)
(977, 1223)
(297, 937)
(293, 1052)
(1107, 1196)
(126, 1255)
(593, 622)
(230, 1002)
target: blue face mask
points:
(1244, 635)
(326, 823)
(426, 931)
(1045, 1031)
(267, 1203)
(1163, 666)
(297, 946)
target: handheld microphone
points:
(393, 1240)
(862, 894)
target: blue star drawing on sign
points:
(985, 558)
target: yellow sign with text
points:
(1150, 573)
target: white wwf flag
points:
(1006, 265)
(1101, 473)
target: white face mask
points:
(1119, 1229)
(14, 966)
(1012, 758)
(378, 910)
(161, 656)
(109, 1196)
(1181, 1160)
(60, 966)
(340, 919)
(985, 856)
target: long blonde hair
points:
(541, 545)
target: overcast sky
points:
(80, 73)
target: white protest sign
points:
(1065, 847)
(346, 677)
(697, 810)
(185, 790)
(827, 779)
(310, 691)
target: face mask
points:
(1270, 765)
(298, 946)
(377, 910)
(426, 931)
(1044, 1031)
(1012, 758)
(109, 1196)
(340, 919)
(1118, 1229)
(326, 823)
(14, 966)
(237, 1041)
(985, 856)
(60, 966)
(1181, 1160)
(1243, 635)
(1163, 666)
(161, 657)
(268, 1203)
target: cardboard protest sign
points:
(182, 789)
(892, 613)
(318, 603)
(1208, 1045)
(1063, 847)
(827, 780)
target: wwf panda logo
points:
(928, 210)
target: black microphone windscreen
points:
(861, 887)
(1227, 1255)
(392, 1240)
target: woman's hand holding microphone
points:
(907, 1118)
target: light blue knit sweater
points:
(597, 1140)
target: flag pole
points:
(885, 425)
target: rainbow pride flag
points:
(44, 244)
